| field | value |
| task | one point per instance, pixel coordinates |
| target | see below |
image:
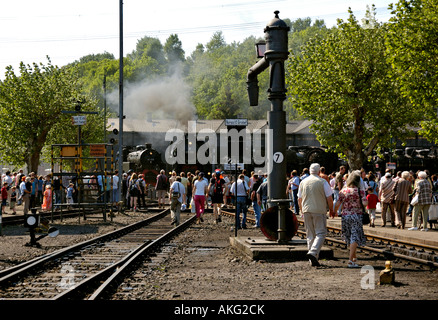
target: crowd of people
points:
(312, 194)
(196, 192)
(32, 191)
(349, 194)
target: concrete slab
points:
(260, 248)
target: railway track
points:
(389, 248)
(90, 269)
(58, 215)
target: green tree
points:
(342, 83)
(217, 41)
(302, 31)
(300, 24)
(173, 49)
(149, 47)
(96, 57)
(412, 42)
(218, 79)
(31, 108)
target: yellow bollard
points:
(387, 276)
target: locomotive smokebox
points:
(135, 157)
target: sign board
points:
(97, 150)
(236, 122)
(78, 120)
(278, 157)
(68, 152)
(232, 166)
(391, 165)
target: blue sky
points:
(68, 30)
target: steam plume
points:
(165, 98)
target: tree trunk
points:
(34, 161)
(356, 155)
(355, 161)
(36, 145)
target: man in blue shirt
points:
(295, 183)
(34, 194)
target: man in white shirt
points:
(178, 197)
(241, 194)
(314, 195)
(7, 178)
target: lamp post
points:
(120, 158)
(260, 48)
(274, 55)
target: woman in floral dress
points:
(352, 228)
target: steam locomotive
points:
(409, 158)
(302, 157)
(148, 161)
(145, 159)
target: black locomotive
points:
(409, 158)
(145, 159)
(300, 157)
(148, 161)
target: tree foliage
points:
(31, 108)
(364, 86)
(412, 46)
(218, 79)
(173, 49)
(342, 82)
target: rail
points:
(373, 238)
(97, 260)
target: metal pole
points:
(120, 159)
(275, 55)
(78, 172)
(237, 218)
(104, 108)
(51, 185)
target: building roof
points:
(162, 126)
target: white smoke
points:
(167, 97)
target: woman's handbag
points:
(414, 200)
(365, 218)
(433, 209)
(365, 214)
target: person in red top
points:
(4, 196)
(372, 204)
